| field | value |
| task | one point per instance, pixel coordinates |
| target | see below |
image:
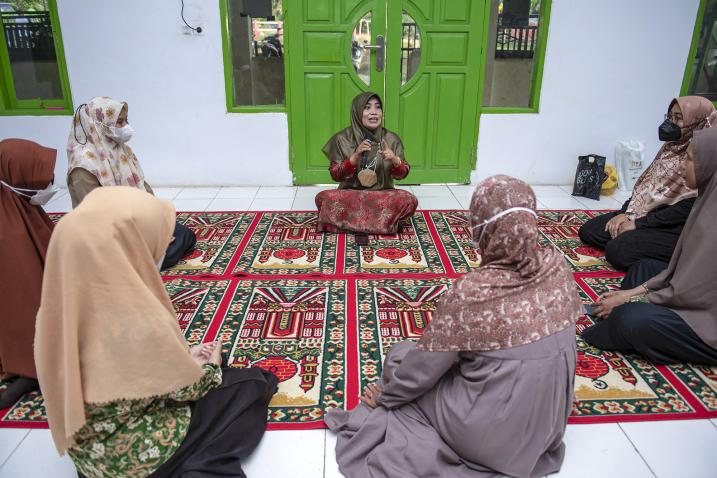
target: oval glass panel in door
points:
(360, 56)
(410, 47)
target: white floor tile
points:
(167, 193)
(271, 204)
(311, 191)
(10, 438)
(549, 191)
(604, 203)
(434, 190)
(191, 204)
(462, 189)
(61, 204)
(404, 187)
(291, 453)
(303, 204)
(601, 451)
(36, 457)
(198, 193)
(566, 202)
(227, 204)
(237, 192)
(676, 449)
(276, 192)
(444, 202)
(714, 422)
(331, 468)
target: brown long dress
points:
(377, 209)
(25, 232)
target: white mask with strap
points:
(496, 217)
(41, 196)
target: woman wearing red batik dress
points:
(365, 159)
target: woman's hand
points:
(206, 353)
(388, 154)
(613, 225)
(609, 300)
(364, 146)
(371, 392)
(626, 226)
(202, 352)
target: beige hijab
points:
(344, 143)
(663, 182)
(106, 329)
(521, 292)
(90, 147)
(689, 284)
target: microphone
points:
(364, 155)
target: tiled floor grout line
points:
(637, 450)
(14, 450)
(324, 467)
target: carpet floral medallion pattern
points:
(321, 312)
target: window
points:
(701, 72)
(515, 51)
(253, 44)
(33, 74)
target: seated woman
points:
(649, 223)
(124, 394)
(365, 158)
(489, 387)
(98, 155)
(26, 173)
(678, 322)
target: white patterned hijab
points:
(90, 147)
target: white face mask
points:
(41, 196)
(121, 135)
(495, 218)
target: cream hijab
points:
(106, 329)
(90, 147)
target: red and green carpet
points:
(321, 312)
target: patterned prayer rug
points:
(322, 312)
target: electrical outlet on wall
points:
(188, 31)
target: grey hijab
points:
(689, 284)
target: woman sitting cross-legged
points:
(489, 387)
(649, 223)
(99, 155)
(678, 323)
(365, 158)
(125, 396)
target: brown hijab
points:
(344, 143)
(521, 292)
(106, 329)
(689, 284)
(663, 182)
(24, 234)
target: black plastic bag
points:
(589, 176)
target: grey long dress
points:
(467, 414)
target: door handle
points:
(379, 48)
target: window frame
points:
(536, 80)
(9, 104)
(229, 74)
(696, 33)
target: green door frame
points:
(696, 33)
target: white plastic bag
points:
(629, 162)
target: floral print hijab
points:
(90, 147)
(521, 292)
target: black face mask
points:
(669, 131)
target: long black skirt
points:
(226, 426)
(182, 244)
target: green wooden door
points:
(430, 98)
